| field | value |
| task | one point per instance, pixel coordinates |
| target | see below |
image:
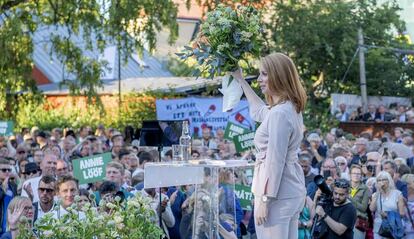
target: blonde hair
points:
(406, 178)
(386, 175)
(284, 81)
(15, 202)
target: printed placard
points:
(91, 169)
(6, 128)
(244, 142)
(245, 195)
(233, 129)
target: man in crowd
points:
(340, 220)
(382, 115)
(7, 191)
(330, 171)
(46, 192)
(370, 115)
(360, 150)
(342, 115)
(62, 168)
(305, 162)
(48, 167)
(38, 156)
(67, 188)
(167, 217)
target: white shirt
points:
(34, 182)
(41, 213)
(62, 211)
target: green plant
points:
(133, 218)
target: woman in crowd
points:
(343, 166)
(359, 197)
(306, 219)
(18, 207)
(386, 199)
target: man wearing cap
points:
(48, 167)
(41, 139)
(31, 170)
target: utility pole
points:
(363, 81)
(119, 80)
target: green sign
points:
(245, 195)
(233, 130)
(244, 142)
(91, 169)
(6, 128)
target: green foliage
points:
(126, 24)
(321, 38)
(135, 108)
(132, 218)
(227, 37)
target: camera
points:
(319, 228)
(371, 168)
(363, 159)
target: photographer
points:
(340, 220)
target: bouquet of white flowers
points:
(227, 36)
(132, 218)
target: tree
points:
(321, 38)
(128, 24)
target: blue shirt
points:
(7, 198)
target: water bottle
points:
(185, 141)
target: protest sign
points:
(91, 169)
(245, 195)
(244, 142)
(233, 130)
(6, 128)
(203, 112)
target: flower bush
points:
(133, 218)
(227, 37)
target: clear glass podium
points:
(212, 206)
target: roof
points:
(54, 70)
(176, 84)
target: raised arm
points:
(258, 108)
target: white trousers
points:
(282, 221)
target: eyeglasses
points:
(48, 190)
(341, 164)
(382, 180)
(30, 172)
(5, 170)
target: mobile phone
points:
(326, 174)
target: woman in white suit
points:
(278, 182)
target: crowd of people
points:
(370, 179)
(395, 113)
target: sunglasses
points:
(5, 170)
(21, 152)
(48, 190)
(341, 164)
(30, 173)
